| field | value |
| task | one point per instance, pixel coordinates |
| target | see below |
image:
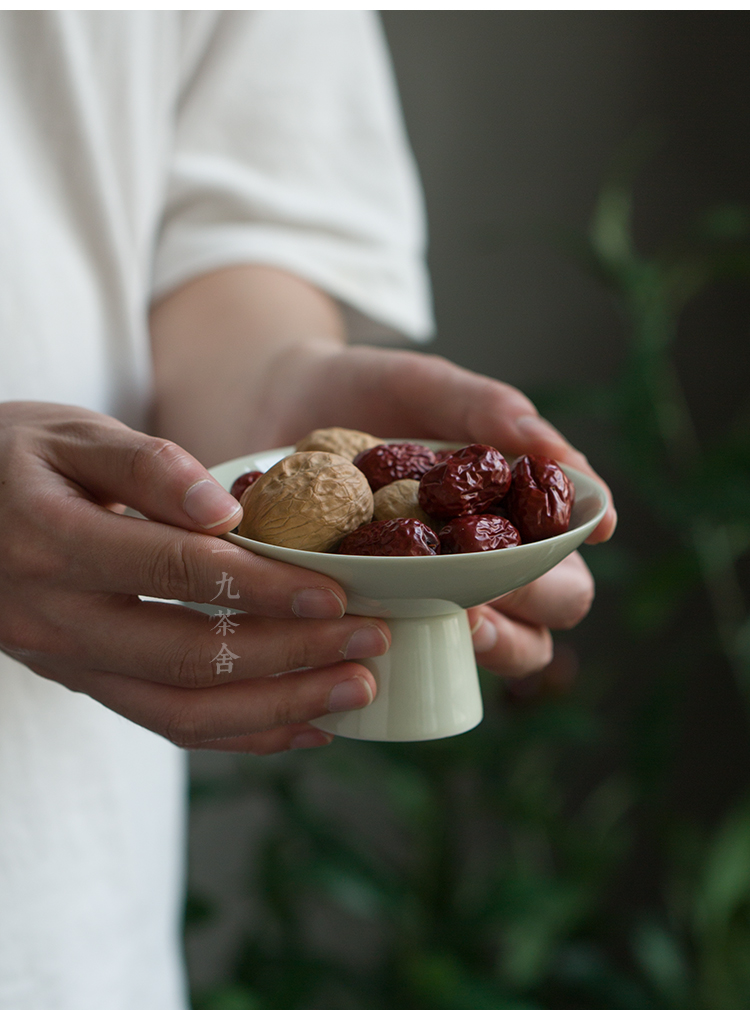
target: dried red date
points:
(243, 482)
(394, 461)
(499, 508)
(468, 534)
(391, 538)
(540, 498)
(468, 482)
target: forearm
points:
(217, 342)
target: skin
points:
(245, 358)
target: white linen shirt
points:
(137, 150)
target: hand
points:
(402, 394)
(73, 568)
(512, 635)
(256, 384)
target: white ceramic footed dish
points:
(427, 681)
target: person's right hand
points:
(72, 568)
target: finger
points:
(507, 647)
(190, 718)
(174, 645)
(114, 463)
(273, 741)
(559, 599)
(105, 552)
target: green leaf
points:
(729, 222)
(551, 911)
(353, 891)
(725, 886)
(660, 588)
(582, 969)
(606, 807)
(230, 997)
(445, 984)
(610, 228)
(663, 962)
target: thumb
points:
(153, 475)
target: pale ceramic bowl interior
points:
(427, 586)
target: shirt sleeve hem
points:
(395, 296)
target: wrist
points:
(221, 345)
(294, 391)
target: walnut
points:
(308, 501)
(342, 441)
(398, 500)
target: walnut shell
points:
(343, 441)
(308, 501)
(398, 500)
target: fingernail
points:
(484, 635)
(317, 603)
(209, 505)
(366, 642)
(533, 427)
(310, 738)
(349, 695)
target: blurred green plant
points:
(696, 494)
(486, 872)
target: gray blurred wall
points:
(514, 118)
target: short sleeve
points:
(289, 150)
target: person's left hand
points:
(410, 395)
